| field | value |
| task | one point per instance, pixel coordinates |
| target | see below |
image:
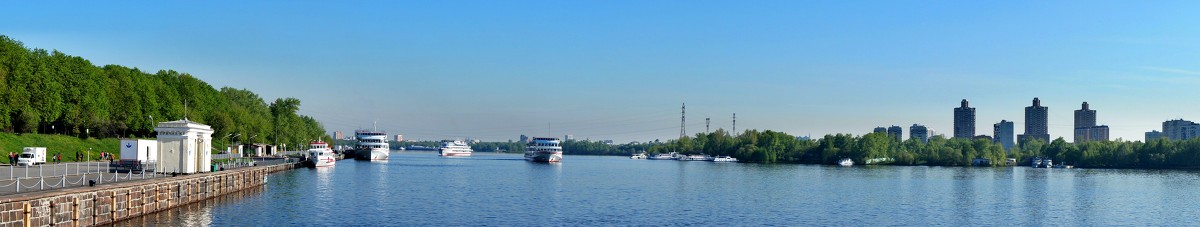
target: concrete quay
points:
(108, 203)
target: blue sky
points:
(619, 70)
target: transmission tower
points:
(706, 122)
(682, 120)
(734, 124)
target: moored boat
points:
(455, 148)
(724, 158)
(846, 162)
(696, 157)
(664, 156)
(542, 149)
(372, 145)
(320, 155)
(638, 156)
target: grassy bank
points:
(68, 146)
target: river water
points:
(422, 189)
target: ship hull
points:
(544, 157)
(372, 154)
(454, 154)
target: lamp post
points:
(254, 145)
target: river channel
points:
(422, 189)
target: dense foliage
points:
(51, 92)
(772, 147)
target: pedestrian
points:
(10, 158)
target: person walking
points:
(11, 159)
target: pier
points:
(108, 203)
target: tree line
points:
(51, 92)
(777, 147)
(570, 147)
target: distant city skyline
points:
(618, 70)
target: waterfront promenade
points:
(32, 179)
(104, 204)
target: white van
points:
(32, 156)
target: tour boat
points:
(696, 157)
(724, 159)
(320, 155)
(1038, 162)
(638, 156)
(455, 148)
(846, 162)
(544, 150)
(372, 145)
(667, 156)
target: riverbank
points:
(109, 203)
(68, 146)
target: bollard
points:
(75, 210)
(18, 185)
(28, 215)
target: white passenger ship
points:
(455, 148)
(544, 150)
(320, 155)
(372, 145)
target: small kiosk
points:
(184, 147)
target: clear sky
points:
(494, 70)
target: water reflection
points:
(422, 189)
(195, 214)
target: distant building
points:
(337, 135)
(880, 129)
(983, 137)
(524, 139)
(919, 133)
(1085, 117)
(1036, 119)
(1094, 133)
(1153, 135)
(1086, 128)
(1003, 133)
(607, 142)
(964, 121)
(568, 137)
(399, 138)
(1180, 129)
(896, 132)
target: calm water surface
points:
(422, 189)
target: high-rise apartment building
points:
(919, 133)
(337, 135)
(1003, 133)
(879, 129)
(896, 133)
(964, 121)
(1036, 119)
(1086, 128)
(1180, 129)
(1153, 135)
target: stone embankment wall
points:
(111, 202)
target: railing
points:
(63, 175)
(225, 156)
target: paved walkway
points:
(78, 174)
